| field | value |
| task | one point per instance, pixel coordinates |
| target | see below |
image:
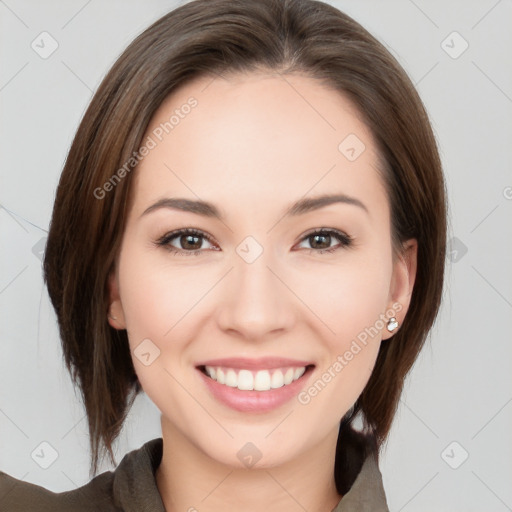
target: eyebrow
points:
(207, 209)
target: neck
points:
(189, 480)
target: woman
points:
(285, 149)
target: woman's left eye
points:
(324, 237)
(191, 241)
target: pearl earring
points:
(392, 324)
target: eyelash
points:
(164, 241)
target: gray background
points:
(457, 401)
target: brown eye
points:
(184, 241)
(320, 241)
(193, 242)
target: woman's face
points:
(252, 296)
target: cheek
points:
(348, 301)
(157, 300)
(346, 297)
(157, 293)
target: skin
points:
(255, 144)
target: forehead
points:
(277, 137)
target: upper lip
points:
(263, 363)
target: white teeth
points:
(262, 380)
(288, 376)
(277, 380)
(231, 379)
(299, 372)
(245, 380)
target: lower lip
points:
(255, 401)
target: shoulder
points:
(367, 492)
(131, 487)
(20, 496)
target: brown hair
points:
(225, 36)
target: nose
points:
(256, 302)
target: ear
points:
(402, 283)
(115, 312)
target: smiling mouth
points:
(260, 380)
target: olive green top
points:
(132, 488)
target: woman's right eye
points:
(189, 241)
